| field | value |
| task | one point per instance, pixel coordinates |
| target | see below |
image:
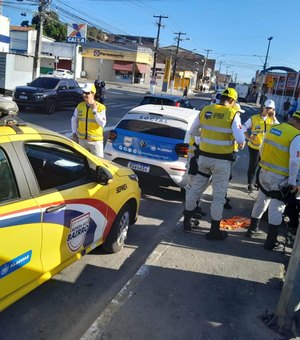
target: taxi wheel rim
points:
(123, 228)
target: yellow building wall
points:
(139, 57)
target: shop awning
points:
(142, 68)
(123, 66)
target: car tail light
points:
(177, 104)
(182, 149)
(112, 135)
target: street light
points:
(264, 70)
(267, 55)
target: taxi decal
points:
(154, 147)
(100, 218)
(78, 230)
(24, 216)
(14, 264)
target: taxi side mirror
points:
(102, 176)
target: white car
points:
(62, 73)
(153, 141)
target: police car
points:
(57, 203)
(153, 141)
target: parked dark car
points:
(48, 93)
(165, 99)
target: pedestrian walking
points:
(280, 160)
(88, 122)
(100, 95)
(219, 126)
(293, 107)
(185, 92)
(258, 124)
(286, 108)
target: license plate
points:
(139, 166)
(23, 97)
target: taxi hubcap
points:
(123, 228)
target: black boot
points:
(215, 233)
(271, 242)
(253, 229)
(198, 213)
(188, 214)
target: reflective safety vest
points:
(274, 152)
(87, 127)
(259, 129)
(217, 140)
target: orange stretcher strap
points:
(235, 222)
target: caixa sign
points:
(76, 40)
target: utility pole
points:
(175, 59)
(205, 62)
(39, 35)
(159, 24)
(287, 311)
(263, 72)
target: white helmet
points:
(269, 103)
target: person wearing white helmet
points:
(88, 122)
(258, 125)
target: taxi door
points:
(73, 205)
(20, 230)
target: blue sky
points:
(236, 31)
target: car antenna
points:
(161, 103)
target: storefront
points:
(117, 63)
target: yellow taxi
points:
(57, 203)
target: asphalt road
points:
(66, 306)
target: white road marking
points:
(96, 330)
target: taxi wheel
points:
(116, 239)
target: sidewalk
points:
(191, 288)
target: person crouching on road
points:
(280, 160)
(88, 122)
(259, 124)
(220, 127)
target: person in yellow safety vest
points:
(258, 124)
(219, 126)
(88, 122)
(280, 160)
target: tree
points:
(96, 34)
(53, 27)
(25, 23)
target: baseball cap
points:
(296, 114)
(231, 93)
(238, 108)
(269, 103)
(89, 87)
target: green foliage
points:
(94, 33)
(25, 23)
(52, 27)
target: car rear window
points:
(157, 101)
(45, 82)
(151, 128)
